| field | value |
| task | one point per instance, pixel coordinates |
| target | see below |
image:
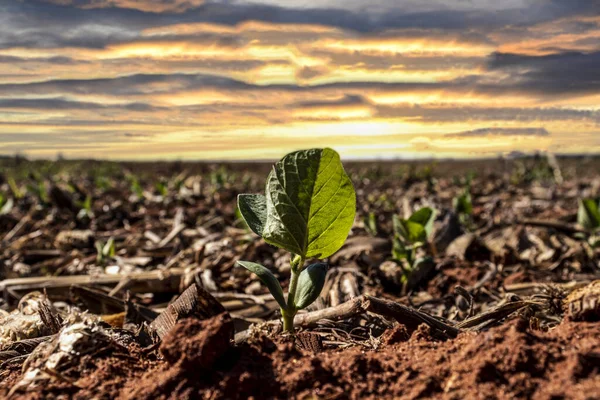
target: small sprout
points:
(410, 235)
(135, 186)
(102, 183)
(370, 223)
(85, 208)
(105, 251)
(220, 177)
(428, 175)
(463, 207)
(178, 181)
(463, 204)
(588, 216)
(39, 190)
(308, 209)
(6, 204)
(162, 188)
(16, 191)
(536, 169)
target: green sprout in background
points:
(463, 205)
(136, 187)
(162, 188)
(409, 236)
(370, 223)
(308, 209)
(16, 191)
(588, 217)
(105, 251)
(85, 208)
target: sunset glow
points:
(129, 79)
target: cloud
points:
(555, 73)
(347, 100)
(152, 6)
(500, 132)
(456, 113)
(174, 75)
(147, 13)
(136, 84)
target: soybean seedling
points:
(370, 223)
(308, 209)
(16, 191)
(410, 235)
(85, 208)
(588, 216)
(105, 251)
(136, 188)
(463, 206)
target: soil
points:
(547, 348)
(509, 361)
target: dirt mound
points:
(192, 351)
(509, 361)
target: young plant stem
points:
(288, 321)
(432, 248)
(288, 315)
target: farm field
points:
(120, 280)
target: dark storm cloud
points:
(554, 73)
(501, 132)
(557, 8)
(62, 23)
(54, 18)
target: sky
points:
(237, 79)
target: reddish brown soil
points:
(98, 376)
(197, 359)
(507, 362)
(452, 275)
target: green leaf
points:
(268, 279)
(310, 284)
(253, 208)
(424, 217)
(396, 226)
(310, 203)
(409, 231)
(399, 250)
(99, 255)
(463, 204)
(109, 248)
(588, 215)
(16, 191)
